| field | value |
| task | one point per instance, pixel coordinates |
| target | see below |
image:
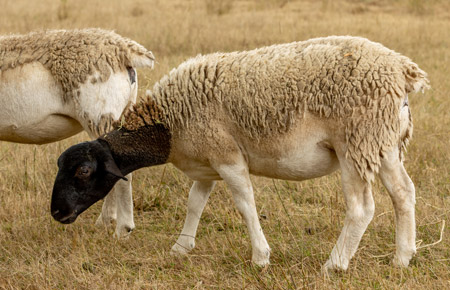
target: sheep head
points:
(87, 172)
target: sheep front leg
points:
(198, 196)
(238, 179)
(118, 206)
(360, 211)
(109, 210)
(402, 192)
(124, 201)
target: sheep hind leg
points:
(402, 192)
(238, 179)
(198, 196)
(360, 210)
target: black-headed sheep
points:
(55, 83)
(294, 111)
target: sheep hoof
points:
(261, 258)
(403, 257)
(103, 221)
(328, 273)
(325, 270)
(261, 262)
(123, 232)
(179, 250)
(400, 262)
(329, 268)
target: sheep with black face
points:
(293, 111)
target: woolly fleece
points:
(359, 83)
(73, 55)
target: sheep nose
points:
(56, 214)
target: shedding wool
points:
(359, 83)
(72, 56)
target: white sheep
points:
(53, 84)
(294, 111)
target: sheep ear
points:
(111, 167)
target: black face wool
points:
(149, 145)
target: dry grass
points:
(301, 220)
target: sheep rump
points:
(72, 56)
(361, 84)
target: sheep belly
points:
(310, 159)
(51, 128)
(31, 108)
(305, 152)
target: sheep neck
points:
(145, 146)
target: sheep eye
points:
(83, 171)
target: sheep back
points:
(73, 55)
(359, 83)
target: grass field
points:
(301, 220)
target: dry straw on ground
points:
(301, 220)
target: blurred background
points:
(301, 220)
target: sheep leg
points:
(109, 210)
(118, 203)
(238, 179)
(118, 206)
(124, 204)
(360, 210)
(198, 196)
(402, 192)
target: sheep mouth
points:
(65, 219)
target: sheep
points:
(55, 83)
(292, 111)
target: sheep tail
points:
(416, 79)
(136, 54)
(145, 59)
